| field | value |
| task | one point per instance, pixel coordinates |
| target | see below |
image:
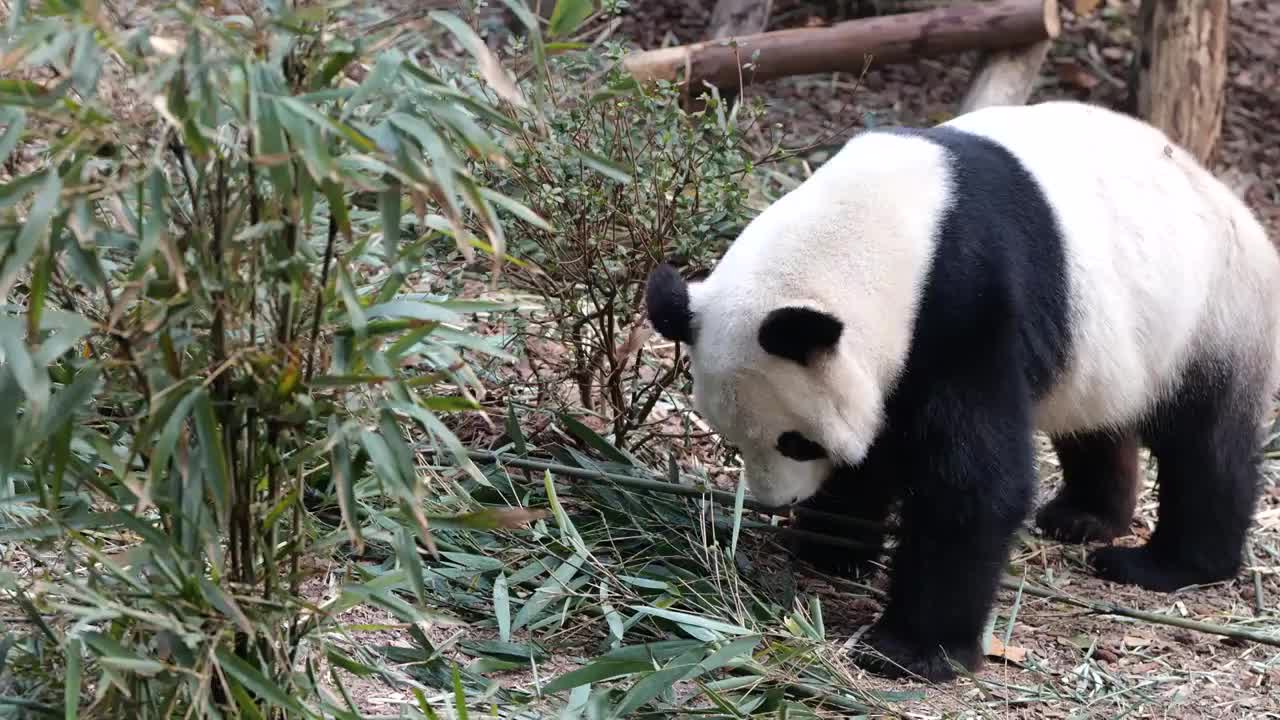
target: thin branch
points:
(324, 283)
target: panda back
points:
(1165, 267)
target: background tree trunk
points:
(1182, 70)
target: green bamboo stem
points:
(699, 489)
(1009, 582)
(1106, 608)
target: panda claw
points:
(1141, 566)
(1069, 524)
(893, 656)
(833, 561)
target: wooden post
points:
(732, 18)
(1005, 77)
(845, 47)
(1182, 70)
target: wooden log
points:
(1182, 70)
(734, 18)
(994, 25)
(1005, 77)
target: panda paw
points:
(1143, 567)
(1065, 522)
(840, 562)
(893, 656)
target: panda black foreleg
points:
(854, 503)
(1206, 445)
(971, 471)
(1099, 488)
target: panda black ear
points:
(799, 333)
(667, 301)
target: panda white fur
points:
(893, 330)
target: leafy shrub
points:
(206, 353)
(650, 181)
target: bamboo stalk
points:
(1106, 608)
(1008, 582)
(698, 489)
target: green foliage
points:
(210, 352)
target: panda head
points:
(771, 376)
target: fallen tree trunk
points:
(995, 25)
(1182, 70)
(1005, 77)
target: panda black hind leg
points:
(1205, 441)
(1099, 487)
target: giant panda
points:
(891, 332)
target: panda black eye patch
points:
(797, 447)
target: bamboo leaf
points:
(86, 64)
(245, 703)
(32, 380)
(689, 620)
(594, 440)
(514, 431)
(438, 429)
(165, 445)
(597, 671)
(459, 695)
(73, 679)
(548, 591)
(33, 233)
(604, 166)
(345, 482)
(738, 498)
(487, 519)
(14, 120)
(566, 525)
(156, 227)
(355, 311)
(225, 605)
(70, 399)
(384, 462)
(502, 607)
(254, 680)
(389, 207)
(214, 462)
(412, 310)
(650, 686)
(490, 68)
(112, 654)
(407, 551)
(533, 33)
(517, 208)
(568, 16)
